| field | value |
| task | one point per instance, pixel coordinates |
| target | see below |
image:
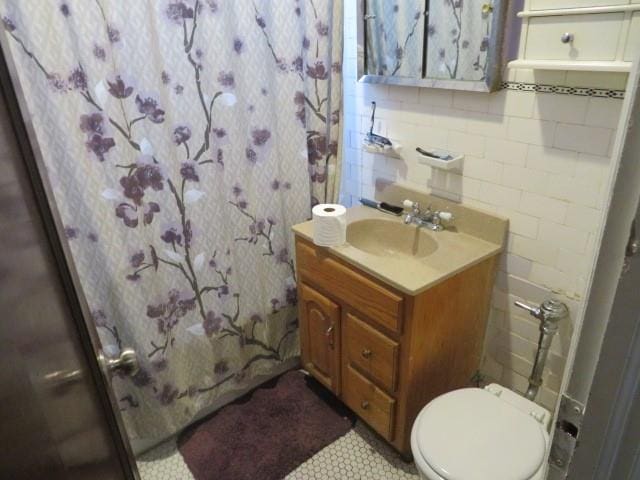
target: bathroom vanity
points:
(396, 316)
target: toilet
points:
(489, 433)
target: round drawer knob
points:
(567, 37)
(366, 353)
(364, 405)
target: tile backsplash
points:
(540, 159)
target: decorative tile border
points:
(584, 92)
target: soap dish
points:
(454, 162)
(392, 150)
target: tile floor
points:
(359, 455)
(163, 462)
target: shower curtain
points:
(458, 39)
(182, 139)
(395, 36)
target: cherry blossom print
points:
(178, 12)
(148, 106)
(78, 79)
(181, 134)
(113, 33)
(119, 87)
(189, 172)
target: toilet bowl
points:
(489, 433)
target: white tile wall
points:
(540, 159)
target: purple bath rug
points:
(267, 433)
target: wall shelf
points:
(623, 67)
(394, 150)
(578, 11)
(454, 164)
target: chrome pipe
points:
(549, 313)
(547, 330)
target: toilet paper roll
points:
(329, 224)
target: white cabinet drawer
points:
(633, 41)
(556, 4)
(595, 37)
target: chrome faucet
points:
(429, 219)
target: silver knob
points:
(126, 362)
(567, 37)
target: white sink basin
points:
(390, 238)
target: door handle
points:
(126, 363)
(59, 379)
(329, 335)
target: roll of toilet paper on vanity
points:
(329, 224)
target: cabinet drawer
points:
(371, 351)
(595, 37)
(373, 405)
(373, 300)
(633, 41)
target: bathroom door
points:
(603, 378)
(57, 420)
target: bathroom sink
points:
(390, 238)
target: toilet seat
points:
(480, 434)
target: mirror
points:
(453, 44)
(395, 37)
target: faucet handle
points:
(533, 311)
(410, 204)
(446, 216)
(550, 311)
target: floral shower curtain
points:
(395, 36)
(182, 139)
(458, 39)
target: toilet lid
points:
(471, 434)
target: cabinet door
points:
(320, 337)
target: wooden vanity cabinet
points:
(385, 353)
